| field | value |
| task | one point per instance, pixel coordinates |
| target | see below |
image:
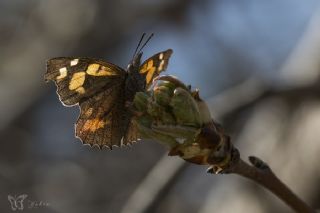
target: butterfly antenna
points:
(139, 44)
(145, 43)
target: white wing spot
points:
(63, 73)
(74, 62)
(161, 65)
(161, 56)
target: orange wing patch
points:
(99, 70)
(146, 66)
(93, 124)
(88, 112)
(77, 80)
(150, 69)
(154, 65)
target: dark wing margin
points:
(79, 78)
(154, 65)
(131, 133)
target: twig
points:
(261, 173)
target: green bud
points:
(162, 95)
(181, 134)
(154, 109)
(169, 112)
(150, 133)
(141, 101)
(185, 108)
(163, 83)
(160, 114)
(145, 120)
(173, 81)
(205, 115)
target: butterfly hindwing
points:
(105, 121)
(101, 119)
(78, 78)
(154, 65)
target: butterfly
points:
(17, 201)
(104, 92)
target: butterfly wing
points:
(154, 65)
(98, 88)
(79, 78)
(102, 119)
(12, 201)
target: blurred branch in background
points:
(302, 66)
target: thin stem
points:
(262, 174)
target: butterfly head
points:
(136, 59)
(135, 62)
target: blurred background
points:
(257, 64)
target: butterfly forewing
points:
(78, 78)
(97, 87)
(154, 65)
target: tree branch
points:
(261, 173)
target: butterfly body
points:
(103, 90)
(134, 82)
